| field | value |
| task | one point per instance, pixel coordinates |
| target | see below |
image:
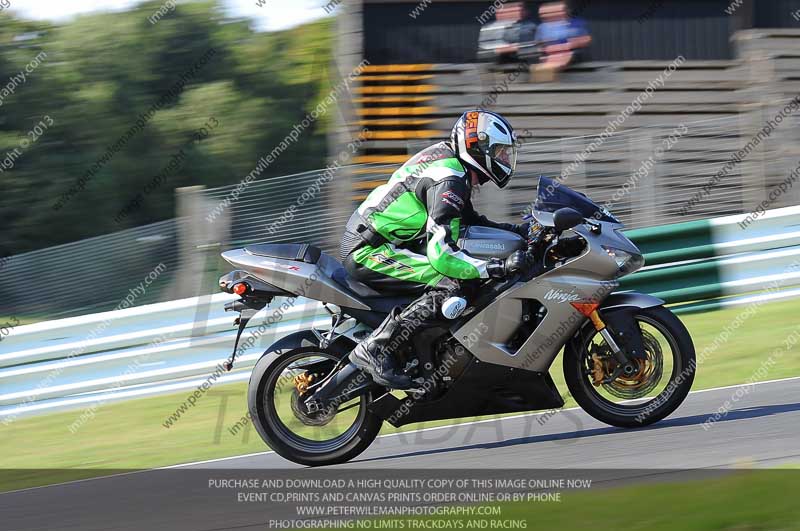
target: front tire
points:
(577, 367)
(300, 448)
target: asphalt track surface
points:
(762, 429)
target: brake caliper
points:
(602, 365)
(302, 381)
(598, 372)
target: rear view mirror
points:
(566, 218)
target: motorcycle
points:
(628, 361)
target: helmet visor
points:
(505, 154)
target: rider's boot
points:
(373, 356)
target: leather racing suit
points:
(402, 240)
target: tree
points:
(103, 72)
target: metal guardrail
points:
(147, 350)
(170, 346)
(706, 264)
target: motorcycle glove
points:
(500, 269)
(523, 229)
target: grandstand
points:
(737, 69)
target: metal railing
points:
(91, 275)
(707, 264)
(154, 349)
(275, 209)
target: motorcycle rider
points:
(402, 238)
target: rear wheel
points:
(278, 387)
(660, 385)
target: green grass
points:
(741, 501)
(130, 435)
(755, 500)
(24, 320)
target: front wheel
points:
(278, 387)
(660, 385)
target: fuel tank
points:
(486, 242)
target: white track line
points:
(523, 415)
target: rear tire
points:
(642, 414)
(271, 429)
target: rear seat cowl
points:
(302, 252)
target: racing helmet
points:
(485, 141)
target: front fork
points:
(602, 329)
(625, 364)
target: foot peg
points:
(411, 365)
(419, 391)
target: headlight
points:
(626, 262)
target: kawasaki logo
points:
(561, 296)
(489, 245)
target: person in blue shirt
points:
(560, 38)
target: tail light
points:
(241, 288)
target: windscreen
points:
(551, 196)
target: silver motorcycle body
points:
(590, 276)
(496, 356)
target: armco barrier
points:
(140, 351)
(700, 265)
(167, 347)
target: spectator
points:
(562, 40)
(509, 39)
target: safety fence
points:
(667, 173)
(84, 362)
(97, 274)
(279, 209)
(92, 275)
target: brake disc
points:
(639, 384)
(299, 408)
(318, 418)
